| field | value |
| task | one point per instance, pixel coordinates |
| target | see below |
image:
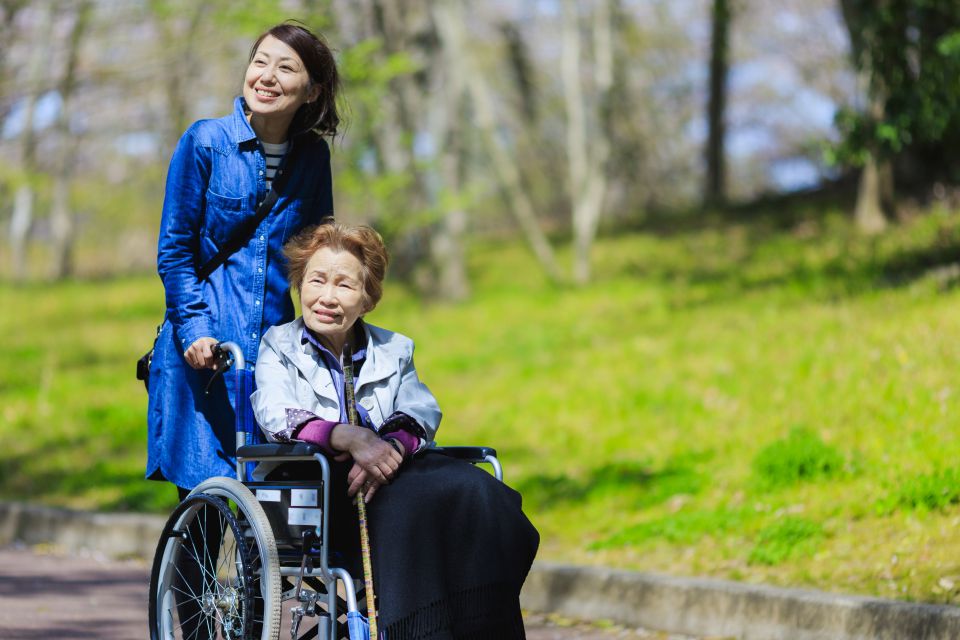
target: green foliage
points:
(801, 456)
(250, 18)
(367, 189)
(924, 492)
(785, 539)
(909, 52)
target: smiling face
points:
(332, 296)
(276, 83)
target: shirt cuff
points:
(410, 442)
(317, 432)
(405, 430)
(192, 330)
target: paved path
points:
(44, 594)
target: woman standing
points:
(220, 173)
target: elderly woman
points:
(451, 546)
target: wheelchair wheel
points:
(216, 573)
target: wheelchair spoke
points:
(191, 622)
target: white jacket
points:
(290, 376)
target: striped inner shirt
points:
(274, 156)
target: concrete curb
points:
(721, 608)
(692, 606)
(115, 535)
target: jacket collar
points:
(380, 363)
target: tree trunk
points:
(61, 228)
(715, 188)
(181, 44)
(390, 133)
(876, 202)
(8, 14)
(20, 223)
(23, 202)
(447, 240)
(587, 162)
(449, 20)
(61, 217)
(874, 196)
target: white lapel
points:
(381, 358)
(302, 358)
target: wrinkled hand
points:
(375, 462)
(200, 354)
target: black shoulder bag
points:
(238, 237)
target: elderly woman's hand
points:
(375, 462)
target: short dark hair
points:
(319, 116)
(363, 242)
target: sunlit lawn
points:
(640, 416)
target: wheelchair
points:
(237, 552)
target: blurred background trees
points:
(908, 56)
(553, 120)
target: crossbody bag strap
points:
(242, 232)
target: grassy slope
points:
(630, 413)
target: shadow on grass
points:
(942, 257)
(634, 482)
(25, 476)
(853, 266)
(802, 243)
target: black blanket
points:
(450, 549)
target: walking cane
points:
(361, 503)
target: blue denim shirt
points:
(216, 179)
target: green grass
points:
(785, 539)
(800, 457)
(650, 419)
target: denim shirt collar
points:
(245, 135)
(243, 132)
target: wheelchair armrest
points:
(470, 454)
(474, 455)
(275, 449)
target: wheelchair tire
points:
(255, 573)
(202, 578)
(259, 534)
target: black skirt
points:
(450, 549)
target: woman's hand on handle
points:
(200, 354)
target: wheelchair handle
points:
(234, 352)
(227, 354)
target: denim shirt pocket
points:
(222, 215)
